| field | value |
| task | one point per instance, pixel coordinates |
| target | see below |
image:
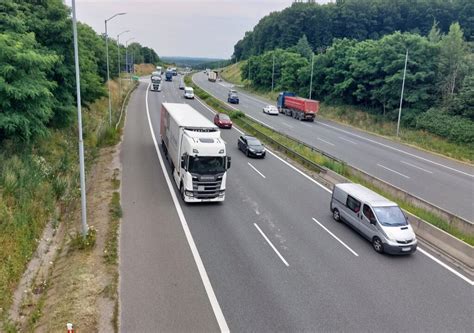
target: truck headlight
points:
(189, 193)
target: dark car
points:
(222, 120)
(251, 146)
(232, 97)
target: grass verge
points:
(304, 154)
(38, 184)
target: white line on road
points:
(329, 143)
(197, 258)
(399, 150)
(398, 173)
(287, 125)
(354, 143)
(270, 243)
(307, 125)
(261, 174)
(446, 266)
(417, 167)
(259, 121)
(340, 241)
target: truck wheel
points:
(181, 191)
(377, 245)
(335, 215)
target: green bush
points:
(454, 128)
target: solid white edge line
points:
(329, 143)
(271, 245)
(446, 266)
(340, 241)
(398, 173)
(399, 150)
(261, 174)
(197, 258)
(287, 125)
(329, 191)
(247, 115)
(416, 167)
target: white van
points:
(379, 220)
(188, 92)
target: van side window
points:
(368, 213)
(353, 204)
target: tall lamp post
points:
(85, 227)
(401, 96)
(126, 54)
(107, 54)
(118, 58)
(311, 78)
(273, 69)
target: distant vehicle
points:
(197, 154)
(156, 73)
(212, 76)
(377, 219)
(159, 69)
(155, 83)
(174, 71)
(297, 107)
(270, 109)
(169, 76)
(232, 97)
(222, 120)
(188, 93)
(181, 85)
(208, 70)
(251, 146)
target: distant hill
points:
(193, 62)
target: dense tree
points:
(353, 19)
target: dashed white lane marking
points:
(398, 173)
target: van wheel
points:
(377, 244)
(335, 215)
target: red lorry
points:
(297, 107)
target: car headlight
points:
(252, 150)
(263, 150)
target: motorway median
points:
(318, 161)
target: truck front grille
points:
(206, 189)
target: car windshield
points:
(188, 91)
(224, 117)
(206, 164)
(390, 216)
(253, 142)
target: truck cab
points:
(156, 82)
(169, 76)
(233, 97)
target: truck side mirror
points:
(229, 159)
(183, 162)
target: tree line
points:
(439, 84)
(353, 19)
(37, 74)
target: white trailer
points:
(196, 152)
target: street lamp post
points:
(311, 79)
(85, 228)
(273, 69)
(107, 55)
(126, 54)
(118, 58)
(401, 96)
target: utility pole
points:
(85, 228)
(118, 53)
(273, 69)
(107, 54)
(311, 79)
(401, 96)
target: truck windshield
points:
(206, 164)
(390, 216)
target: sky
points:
(190, 28)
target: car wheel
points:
(247, 153)
(335, 215)
(377, 244)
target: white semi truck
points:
(197, 153)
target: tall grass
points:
(37, 182)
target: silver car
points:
(379, 220)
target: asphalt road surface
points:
(275, 259)
(438, 180)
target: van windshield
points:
(206, 164)
(390, 216)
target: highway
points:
(438, 180)
(270, 258)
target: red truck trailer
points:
(297, 107)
